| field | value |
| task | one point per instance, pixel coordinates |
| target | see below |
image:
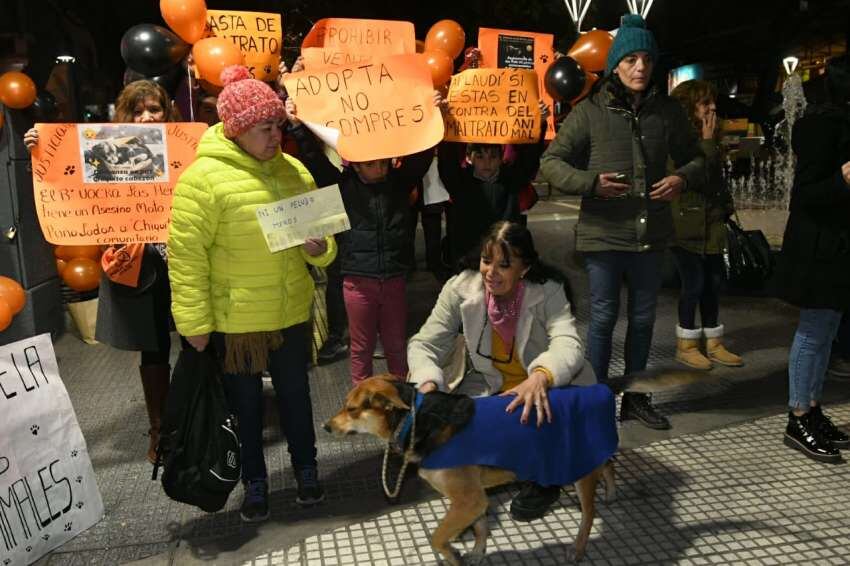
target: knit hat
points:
(631, 37)
(245, 102)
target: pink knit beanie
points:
(245, 102)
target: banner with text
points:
(343, 41)
(502, 48)
(370, 111)
(493, 106)
(109, 183)
(48, 493)
(291, 221)
(257, 34)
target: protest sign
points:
(501, 48)
(370, 111)
(493, 106)
(109, 183)
(291, 221)
(48, 492)
(257, 34)
(343, 41)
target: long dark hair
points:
(515, 240)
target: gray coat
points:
(599, 136)
(546, 335)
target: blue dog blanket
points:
(581, 437)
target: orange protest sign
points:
(370, 111)
(257, 34)
(493, 106)
(502, 48)
(123, 264)
(343, 41)
(109, 183)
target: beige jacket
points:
(546, 336)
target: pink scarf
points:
(504, 313)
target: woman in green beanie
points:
(612, 149)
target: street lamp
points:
(790, 63)
(640, 7)
(577, 10)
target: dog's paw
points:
(473, 558)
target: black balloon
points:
(564, 79)
(167, 80)
(43, 108)
(152, 50)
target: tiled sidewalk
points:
(732, 496)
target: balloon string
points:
(191, 102)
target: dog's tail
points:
(655, 380)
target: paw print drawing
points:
(45, 536)
(34, 430)
(79, 479)
(68, 526)
(70, 170)
(74, 453)
(79, 505)
(29, 548)
(268, 69)
(544, 58)
(176, 164)
(7, 561)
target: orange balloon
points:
(440, 66)
(420, 46)
(70, 252)
(5, 315)
(447, 36)
(186, 18)
(81, 274)
(212, 55)
(12, 292)
(589, 80)
(61, 264)
(16, 90)
(591, 50)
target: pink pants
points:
(374, 307)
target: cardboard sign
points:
(501, 48)
(109, 183)
(257, 34)
(291, 221)
(370, 111)
(343, 41)
(493, 106)
(48, 492)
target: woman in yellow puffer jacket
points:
(228, 288)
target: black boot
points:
(533, 501)
(637, 406)
(802, 434)
(828, 430)
(332, 350)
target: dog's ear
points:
(388, 400)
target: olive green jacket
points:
(699, 218)
(599, 136)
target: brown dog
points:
(378, 405)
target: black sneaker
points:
(828, 430)
(637, 406)
(255, 506)
(332, 350)
(310, 491)
(533, 500)
(802, 434)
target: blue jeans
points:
(288, 368)
(810, 355)
(642, 273)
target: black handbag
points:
(747, 259)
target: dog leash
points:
(402, 428)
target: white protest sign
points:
(291, 221)
(48, 493)
(433, 187)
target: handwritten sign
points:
(257, 34)
(343, 41)
(501, 48)
(493, 106)
(370, 111)
(109, 183)
(48, 492)
(315, 214)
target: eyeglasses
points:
(490, 356)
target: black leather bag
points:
(747, 260)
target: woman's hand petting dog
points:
(531, 392)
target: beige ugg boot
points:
(687, 348)
(716, 351)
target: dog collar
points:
(408, 420)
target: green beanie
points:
(631, 37)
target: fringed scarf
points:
(248, 353)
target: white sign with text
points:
(48, 493)
(291, 221)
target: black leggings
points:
(702, 278)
